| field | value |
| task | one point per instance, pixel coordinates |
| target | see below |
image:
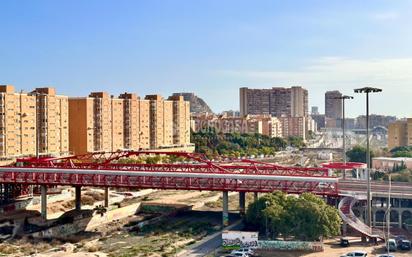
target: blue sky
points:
(211, 47)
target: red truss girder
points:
(107, 161)
(177, 183)
(191, 168)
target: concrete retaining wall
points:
(88, 224)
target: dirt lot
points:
(163, 239)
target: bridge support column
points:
(344, 228)
(256, 196)
(78, 197)
(106, 197)
(225, 208)
(374, 219)
(242, 203)
(400, 218)
(43, 202)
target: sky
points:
(212, 48)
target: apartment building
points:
(294, 126)
(90, 123)
(224, 124)
(101, 122)
(375, 120)
(181, 120)
(17, 123)
(277, 101)
(333, 106)
(250, 124)
(161, 121)
(131, 130)
(400, 133)
(27, 117)
(144, 124)
(52, 121)
(271, 126)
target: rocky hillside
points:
(197, 104)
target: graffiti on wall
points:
(290, 246)
(239, 239)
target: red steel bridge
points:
(185, 171)
(194, 173)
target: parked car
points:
(356, 254)
(344, 242)
(244, 250)
(404, 245)
(239, 254)
(399, 238)
(391, 245)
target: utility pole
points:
(343, 98)
(368, 90)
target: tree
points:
(358, 154)
(296, 142)
(306, 217)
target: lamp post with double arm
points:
(367, 91)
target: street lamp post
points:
(266, 216)
(343, 98)
(368, 90)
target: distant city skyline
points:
(212, 48)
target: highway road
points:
(378, 188)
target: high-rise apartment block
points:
(400, 133)
(17, 123)
(277, 101)
(104, 123)
(333, 106)
(52, 121)
(28, 120)
(181, 120)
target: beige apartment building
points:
(52, 121)
(161, 121)
(136, 122)
(400, 133)
(294, 126)
(17, 123)
(104, 123)
(250, 124)
(181, 120)
(96, 123)
(26, 117)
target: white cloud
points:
(393, 75)
(339, 71)
(385, 16)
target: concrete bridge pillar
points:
(225, 208)
(106, 197)
(344, 228)
(400, 218)
(256, 196)
(78, 197)
(43, 202)
(374, 219)
(242, 203)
